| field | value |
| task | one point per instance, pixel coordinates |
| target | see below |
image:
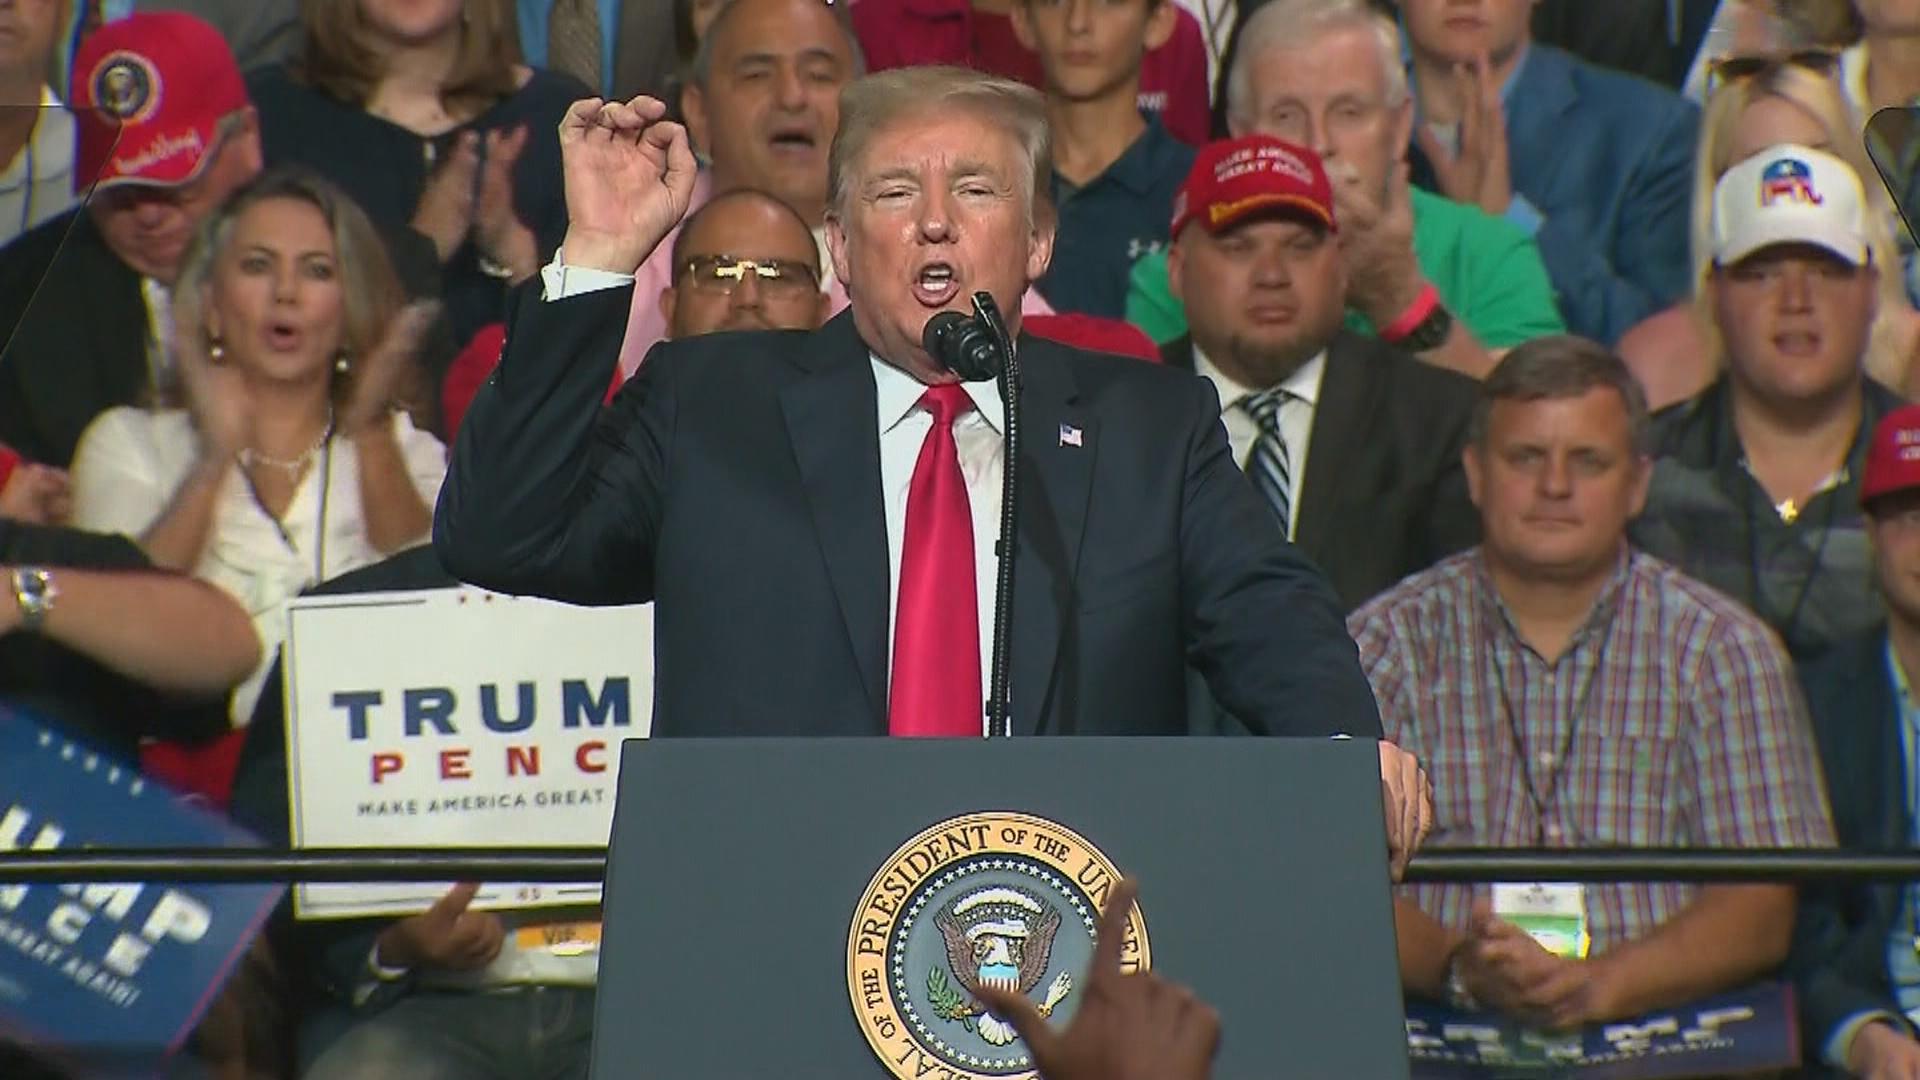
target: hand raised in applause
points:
(1479, 174)
(379, 376)
(629, 178)
(445, 212)
(1128, 1027)
(217, 396)
(497, 227)
(1376, 240)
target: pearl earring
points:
(216, 351)
(340, 364)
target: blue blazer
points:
(1607, 161)
(1840, 939)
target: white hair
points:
(1298, 24)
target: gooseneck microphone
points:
(978, 349)
(963, 346)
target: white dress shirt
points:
(1296, 419)
(130, 462)
(903, 429)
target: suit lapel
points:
(1056, 479)
(1336, 441)
(1536, 110)
(831, 423)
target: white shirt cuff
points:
(377, 973)
(559, 281)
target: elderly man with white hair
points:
(1437, 278)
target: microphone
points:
(967, 347)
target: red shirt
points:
(903, 33)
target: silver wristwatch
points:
(34, 590)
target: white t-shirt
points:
(130, 462)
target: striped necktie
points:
(1270, 466)
(574, 40)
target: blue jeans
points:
(523, 1033)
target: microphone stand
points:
(999, 721)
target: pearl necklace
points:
(251, 458)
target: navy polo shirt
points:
(1106, 224)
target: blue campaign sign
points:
(117, 970)
(1750, 1030)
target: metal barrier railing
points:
(228, 865)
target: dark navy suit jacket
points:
(1840, 940)
(735, 481)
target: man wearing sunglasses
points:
(744, 261)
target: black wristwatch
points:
(1430, 332)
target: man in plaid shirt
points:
(1566, 690)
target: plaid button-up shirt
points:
(1671, 720)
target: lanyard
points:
(1543, 805)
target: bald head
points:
(712, 291)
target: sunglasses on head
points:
(1732, 69)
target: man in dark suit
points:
(794, 502)
(1366, 437)
(1856, 949)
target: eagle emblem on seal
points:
(999, 936)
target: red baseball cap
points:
(161, 82)
(1253, 174)
(1893, 461)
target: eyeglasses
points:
(1732, 69)
(724, 273)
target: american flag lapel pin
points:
(1070, 435)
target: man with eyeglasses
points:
(744, 261)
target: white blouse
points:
(130, 462)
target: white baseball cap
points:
(1788, 194)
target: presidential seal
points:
(126, 86)
(997, 899)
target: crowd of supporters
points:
(1571, 339)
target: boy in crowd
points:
(1115, 168)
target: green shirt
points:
(1488, 272)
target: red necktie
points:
(936, 628)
